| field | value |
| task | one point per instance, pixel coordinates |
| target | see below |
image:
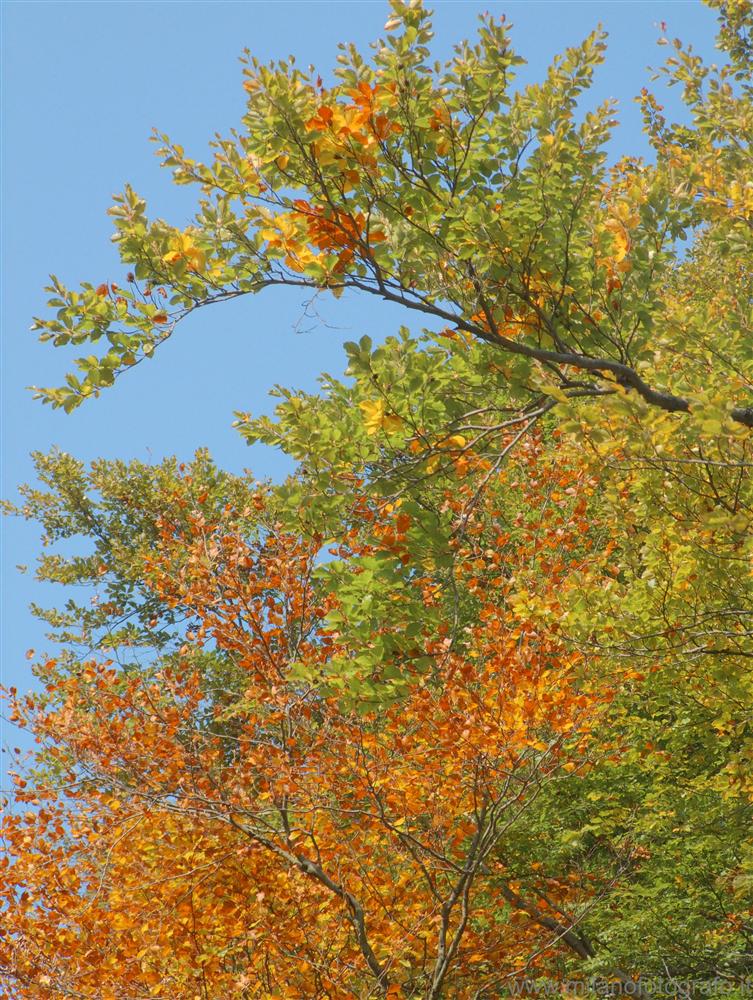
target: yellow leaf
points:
(373, 414)
(182, 247)
(375, 417)
(454, 441)
(621, 239)
(391, 422)
(196, 258)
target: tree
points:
(489, 209)
(235, 817)
(424, 612)
(468, 697)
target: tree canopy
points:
(466, 701)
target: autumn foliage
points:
(466, 700)
(258, 837)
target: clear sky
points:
(83, 84)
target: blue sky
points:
(83, 85)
